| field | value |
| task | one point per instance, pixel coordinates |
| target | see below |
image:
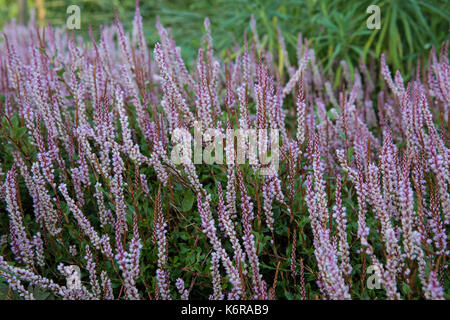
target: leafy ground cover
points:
(358, 207)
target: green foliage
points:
(336, 29)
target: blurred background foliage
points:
(336, 29)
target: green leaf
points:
(405, 288)
(384, 28)
(21, 132)
(188, 201)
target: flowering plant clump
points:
(93, 204)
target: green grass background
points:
(336, 28)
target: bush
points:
(90, 132)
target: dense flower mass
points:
(88, 179)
